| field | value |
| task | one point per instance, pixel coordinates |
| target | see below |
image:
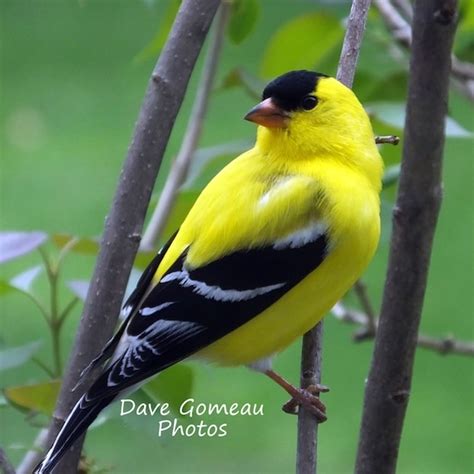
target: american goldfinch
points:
(272, 242)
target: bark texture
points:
(311, 356)
(123, 225)
(414, 222)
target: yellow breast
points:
(352, 213)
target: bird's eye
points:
(309, 102)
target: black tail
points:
(82, 415)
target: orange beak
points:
(268, 114)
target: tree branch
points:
(5, 464)
(311, 362)
(361, 292)
(311, 356)
(180, 166)
(33, 456)
(414, 222)
(387, 139)
(404, 6)
(352, 41)
(444, 345)
(462, 71)
(123, 225)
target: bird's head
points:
(306, 113)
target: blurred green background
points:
(73, 75)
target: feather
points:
(184, 312)
(129, 309)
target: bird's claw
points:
(309, 400)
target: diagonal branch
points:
(307, 440)
(163, 98)
(443, 345)
(34, 455)
(461, 71)
(414, 222)
(387, 139)
(352, 41)
(361, 292)
(5, 464)
(180, 166)
(311, 356)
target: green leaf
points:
(243, 17)
(16, 356)
(16, 244)
(464, 40)
(301, 43)
(84, 245)
(172, 386)
(24, 280)
(239, 77)
(159, 40)
(5, 287)
(393, 113)
(39, 397)
(467, 16)
(90, 246)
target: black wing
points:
(186, 311)
(191, 308)
(129, 309)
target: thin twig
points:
(52, 271)
(404, 6)
(360, 289)
(414, 222)
(462, 71)
(352, 41)
(67, 309)
(180, 166)
(398, 26)
(40, 305)
(312, 341)
(5, 464)
(387, 139)
(443, 345)
(43, 366)
(55, 325)
(446, 345)
(123, 226)
(46, 261)
(311, 363)
(33, 456)
(66, 249)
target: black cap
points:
(289, 89)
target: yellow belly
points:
(228, 215)
(299, 309)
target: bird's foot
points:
(305, 397)
(308, 398)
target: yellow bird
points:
(272, 242)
